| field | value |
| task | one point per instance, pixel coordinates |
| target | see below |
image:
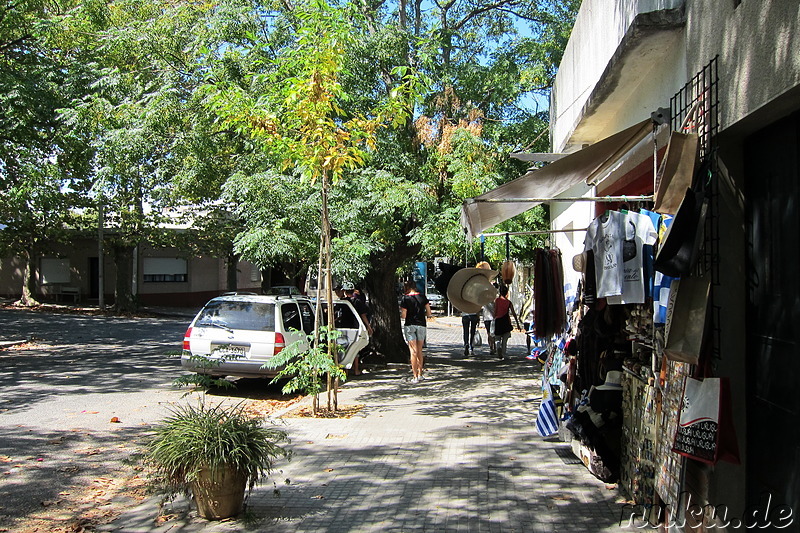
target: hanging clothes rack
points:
(643, 198)
(537, 232)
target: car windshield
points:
(258, 316)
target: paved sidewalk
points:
(456, 452)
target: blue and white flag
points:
(547, 420)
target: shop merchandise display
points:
(604, 354)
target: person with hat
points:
(414, 310)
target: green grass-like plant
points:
(213, 437)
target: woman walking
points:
(415, 310)
(503, 309)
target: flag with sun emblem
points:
(547, 420)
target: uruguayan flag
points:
(547, 421)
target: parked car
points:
(283, 290)
(235, 335)
(437, 301)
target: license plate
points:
(229, 351)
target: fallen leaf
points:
(318, 497)
(5, 459)
(115, 420)
(329, 470)
(90, 412)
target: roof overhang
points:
(649, 42)
(590, 165)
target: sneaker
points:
(421, 378)
(414, 381)
(466, 351)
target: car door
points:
(354, 336)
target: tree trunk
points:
(124, 300)
(381, 284)
(266, 279)
(232, 265)
(28, 298)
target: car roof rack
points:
(239, 293)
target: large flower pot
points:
(219, 494)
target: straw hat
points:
(471, 288)
(613, 381)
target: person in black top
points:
(361, 308)
(415, 310)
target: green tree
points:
(38, 177)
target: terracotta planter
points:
(219, 495)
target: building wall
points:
(206, 276)
(757, 43)
(600, 28)
(759, 75)
(577, 215)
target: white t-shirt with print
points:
(638, 230)
(604, 238)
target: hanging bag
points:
(705, 426)
(687, 311)
(679, 249)
(476, 339)
(676, 171)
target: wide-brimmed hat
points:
(613, 381)
(471, 288)
(579, 262)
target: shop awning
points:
(591, 164)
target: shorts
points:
(415, 333)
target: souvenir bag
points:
(705, 426)
(675, 173)
(687, 311)
(679, 249)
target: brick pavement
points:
(456, 452)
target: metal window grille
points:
(695, 109)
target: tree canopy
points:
(208, 110)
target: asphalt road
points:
(76, 402)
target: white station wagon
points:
(235, 334)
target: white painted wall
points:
(598, 32)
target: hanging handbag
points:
(676, 171)
(687, 311)
(705, 425)
(680, 247)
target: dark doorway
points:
(94, 278)
(772, 160)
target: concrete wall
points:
(575, 215)
(758, 44)
(206, 276)
(599, 30)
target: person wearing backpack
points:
(414, 311)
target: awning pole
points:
(537, 232)
(644, 198)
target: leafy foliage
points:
(306, 368)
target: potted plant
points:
(216, 453)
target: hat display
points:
(507, 272)
(579, 262)
(471, 288)
(613, 381)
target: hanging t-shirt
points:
(604, 237)
(638, 230)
